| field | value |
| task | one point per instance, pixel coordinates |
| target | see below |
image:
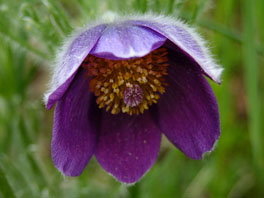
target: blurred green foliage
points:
(30, 32)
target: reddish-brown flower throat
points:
(128, 86)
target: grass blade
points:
(251, 72)
(5, 188)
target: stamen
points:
(130, 86)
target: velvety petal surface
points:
(188, 111)
(122, 41)
(74, 130)
(128, 145)
(70, 58)
(186, 39)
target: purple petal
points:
(70, 61)
(188, 110)
(122, 41)
(128, 145)
(187, 40)
(74, 130)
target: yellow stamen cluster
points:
(110, 79)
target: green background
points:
(31, 31)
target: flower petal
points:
(74, 130)
(185, 38)
(122, 41)
(188, 111)
(128, 145)
(70, 58)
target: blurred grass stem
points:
(251, 75)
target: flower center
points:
(131, 85)
(133, 95)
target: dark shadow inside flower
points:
(127, 83)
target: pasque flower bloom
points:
(119, 85)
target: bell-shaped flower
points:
(119, 86)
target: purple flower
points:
(118, 86)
